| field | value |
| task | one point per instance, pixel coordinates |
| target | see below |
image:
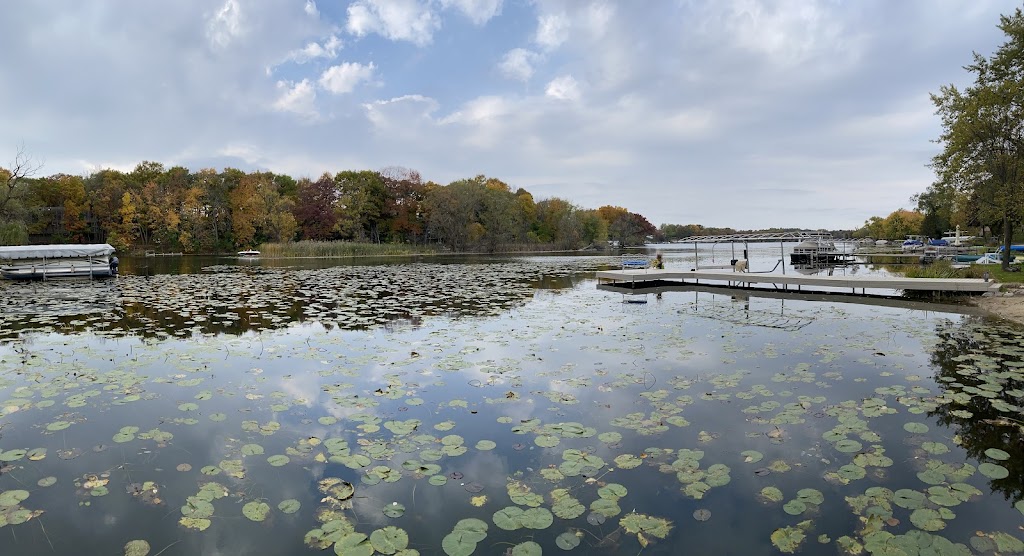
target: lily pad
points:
(993, 471)
(389, 540)
(997, 454)
(136, 548)
(256, 511)
(394, 509)
(915, 428)
(289, 506)
(567, 540)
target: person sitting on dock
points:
(659, 263)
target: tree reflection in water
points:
(979, 367)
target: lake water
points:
(495, 405)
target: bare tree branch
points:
(23, 167)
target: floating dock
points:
(794, 282)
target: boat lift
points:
(746, 239)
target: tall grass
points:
(944, 269)
(327, 249)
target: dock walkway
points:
(798, 281)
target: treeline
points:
(175, 209)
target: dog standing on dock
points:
(740, 266)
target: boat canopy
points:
(14, 252)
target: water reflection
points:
(230, 299)
(978, 364)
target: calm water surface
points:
(492, 406)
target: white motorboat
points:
(249, 254)
(44, 262)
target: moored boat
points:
(249, 254)
(44, 262)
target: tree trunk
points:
(1007, 241)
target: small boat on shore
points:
(45, 262)
(249, 254)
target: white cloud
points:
(397, 20)
(329, 49)
(311, 9)
(478, 11)
(563, 88)
(400, 112)
(298, 98)
(343, 78)
(787, 32)
(518, 64)
(552, 30)
(225, 25)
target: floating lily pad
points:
(394, 509)
(389, 540)
(278, 460)
(58, 426)
(256, 511)
(915, 428)
(12, 497)
(567, 541)
(289, 506)
(702, 514)
(751, 456)
(997, 454)
(528, 548)
(993, 471)
(136, 548)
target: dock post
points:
(696, 261)
(782, 252)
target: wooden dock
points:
(796, 282)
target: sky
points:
(731, 113)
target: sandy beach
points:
(1008, 305)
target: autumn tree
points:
(314, 211)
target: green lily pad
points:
(927, 519)
(13, 455)
(394, 509)
(648, 525)
(289, 506)
(915, 428)
(256, 511)
(278, 460)
(528, 548)
(252, 450)
(567, 540)
(463, 539)
(57, 426)
(47, 481)
(751, 456)
(788, 539)
(12, 497)
(848, 446)
(794, 507)
(389, 540)
(771, 494)
(353, 544)
(997, 454)
(136, 548)
(993, 471)
(484, 445)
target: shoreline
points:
(1008, 304)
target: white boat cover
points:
(14, 252)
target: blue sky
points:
(810, 113)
